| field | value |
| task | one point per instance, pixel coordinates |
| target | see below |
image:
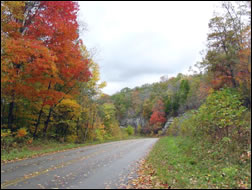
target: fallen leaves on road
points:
(146, 178)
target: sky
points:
(136, 43)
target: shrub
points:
(187, 124)
(173, 129)
(124, 133)
(22, 136)
(221, 115)
(71, 138)
(108, 137)
(29, 141)
(21, 133)
(139, 129)
(6, 139)
(159, 133)
(99, 135)
(130, 130)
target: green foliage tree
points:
(168, 105)
(221, 116)
(183, 90)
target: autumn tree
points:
(65, 118)
(25, 62)
(107, 112)
(244, 68)
(224, 44)
(41, 57)
(87, 97)
(122, 102)
(136, 102)
(56, 25)
(158, 116)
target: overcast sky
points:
(138, 42)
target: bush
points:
(124, 133)
(71, 138)
(6, 139)
(222, 125)
(130, 130)
(187, 124)
(139, 129)
(159, 133)
(99, 135)
(173, 129)
(221, 116)
(108, 137)
(21, 133)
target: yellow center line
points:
(34, 174)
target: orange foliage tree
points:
(40, 55)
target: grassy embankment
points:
(181, 163)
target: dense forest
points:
(49, 82)
(51, 89)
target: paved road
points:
(107, 165)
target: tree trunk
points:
(232, 76)
(93, 118)
(10, 115)
(38, 121)
(65, 132)
(85, 136)
(40, 113)
(47, 122)
(77, 127)
(2, 112)
(82, 134)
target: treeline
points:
(225, 114)
(226, 64)
(220, 130)
(49, 82)
(156, 102)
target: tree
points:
(147, 108)
(89, 122)
(26, 65)
(221, 116)
(224, 45)
(65, 117)
(168, 105)
(158, 116)
(56, 25)
(41, 57)
(244, 68)
(107, 112)
(136, 102)
(184, 90)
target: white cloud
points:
(139, 42)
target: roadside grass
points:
(42, 147)
(181, 163)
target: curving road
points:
(107, 165)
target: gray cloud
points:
(143, 53)
(140, 42)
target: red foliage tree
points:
(41, 58)
(158, 116)
(55, 23)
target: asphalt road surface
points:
(108, 165)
